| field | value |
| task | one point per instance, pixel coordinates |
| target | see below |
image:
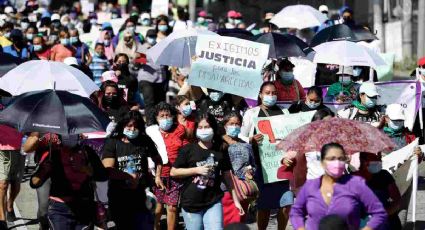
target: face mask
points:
(216, 96)
(370, 103)
(201, 20)
(29, 37)
(106, 42)
(205, 134)
(65, 41)
(286, 77)
(65, 23)
(396, 125)
(237, 21)
(110, 100)
(269, 101)
(165, 124)
(132, 29)
(24, 25)
(312, 105)
(37, 47)
(374, 167)
(146, 22)
(186, 110)
(131, 134)
(7, 35)
(73, 40)
(93, 21)
(335, 168)
(357, 72)
(233, 131)
(151, 41)
(99, 54)
(345, 80)
(113, 16)
(162, 28)
(231, 20)
(53, 38)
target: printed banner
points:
(405, 93)
(159, 7)
(276, 128)
(231, 65)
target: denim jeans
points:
(209, 219)
(43, 204)
(62, 218)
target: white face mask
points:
(396, 125)
(205, 134)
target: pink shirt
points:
(10, 138)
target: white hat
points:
(369, 89)
(346, 70)
(55, 17)
(395, 112)
(323, 8)
(9, 10)
(70, 61)
(145, 16)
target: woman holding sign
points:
(275, 195)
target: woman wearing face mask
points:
(127, 45)
(82, 53)
(126, 81)
(111, 101)
(217, 103)
(30, 33)
(105, 38)
(288, 88)
(185, 116)
(365, 108)
(382, 183)
(203, 168)
(276, 195)
(345, 90)
(243, 164)
(162, 28)
(323, 196)
(128, 26)
(39, 49)
(169, 137)
(313, 101)
(63, 49)
(125, 156)
(393, 125)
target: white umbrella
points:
(177, 49)
(41, 75)
(299, 17)
(346, 53)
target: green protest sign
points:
(274, 129)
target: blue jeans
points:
(209, 219)
(62, 218)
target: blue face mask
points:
(162, 28)
(205, 134)
(396, 125)
(374, 167)
(37, 47)
(233, 131)
(165, 124)
(151, 41)
(370, 103)
(131, 134)
(30, 37)
(269, 101)
(286, 77)
(146, 22)
(186, 110)
(106, 42)
(65, 41)
(216, 96)
(73, 40)
(312, 105)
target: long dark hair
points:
(266, 83)
(210, 119)
(135, 116)
(165, 19)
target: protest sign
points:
(276, 128)
(391, 162)
(159, 7)
(405, 93)
(228, 64)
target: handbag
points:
(246, 190)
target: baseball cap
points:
(323, 8)
(70, 61)
(421, 61)
(9, 10)
(395, 112)
(145, 16)
(232, 14)
(346, 70)
(202, 13)
(109, 76)
(55, 17)
(369, 89)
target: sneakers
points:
(10, 216)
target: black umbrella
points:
(333, 33)
(362, 33)
(236, 33)
(7, 62)
(52, 111)
(284, 45)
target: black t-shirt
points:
(131, 158)
(379, 185)
(302, 107)
(217, 109)
(200, 192)
(372, 117)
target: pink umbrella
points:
(355, 136)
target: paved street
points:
(27, 208)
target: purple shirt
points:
(350, 195)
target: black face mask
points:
(111, 101)
(122, 67)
